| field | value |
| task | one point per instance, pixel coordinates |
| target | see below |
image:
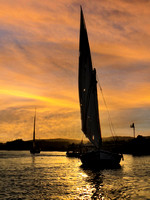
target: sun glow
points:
(51, 101)
(39, 65)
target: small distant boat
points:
(89, 107)
(74, 150)
(34, 148)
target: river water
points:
(51, 175)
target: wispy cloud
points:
(39, 64)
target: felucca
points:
(89, 107)
(34, 148)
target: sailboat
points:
(89, 110)
(34, 148)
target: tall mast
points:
(34, 129)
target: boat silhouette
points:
(88, 99)
(35, 148)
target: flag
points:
(132, 125)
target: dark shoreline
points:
(125, 145)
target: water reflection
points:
(94, 179)
(33, 159)
(104, 183)
(54, 176)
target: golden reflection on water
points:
(93, 185)
(51, 175)
(67, 174)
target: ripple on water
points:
(51, 175)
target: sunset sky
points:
(39, 49)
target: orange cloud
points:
(39, 64)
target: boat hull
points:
(73, 154)
(101, 159)
(33, 151)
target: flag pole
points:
(134, 131)
(133, 126)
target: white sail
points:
(88, 89)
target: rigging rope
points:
(109, 117)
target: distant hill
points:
(124, 138)
(57, 144)
(128, 145)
